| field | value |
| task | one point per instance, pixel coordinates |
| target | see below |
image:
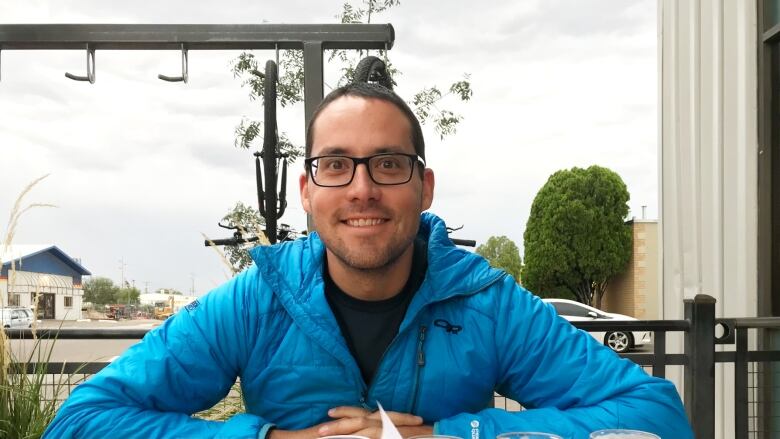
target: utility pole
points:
(192, 288)
(146, 287)
(122, 266)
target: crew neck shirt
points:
(369, 326)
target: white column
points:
(708, 178)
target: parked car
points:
(618, 341)
(15, 318)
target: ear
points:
(303, 183)
(428, 184)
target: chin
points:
(366, 257)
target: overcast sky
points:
(140, 167)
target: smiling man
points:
(377, 306)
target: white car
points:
(619, 341)
(15, 318)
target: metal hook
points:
(184, 69)
(90, 68)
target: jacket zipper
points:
(420, 362)
(366, 387)
(420, 365)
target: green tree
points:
(429, 103)
(425, 102)
(127, 295)
(502, 253)
(100, 290)
(576, 237)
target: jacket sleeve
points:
(568, 383)
(186, 365)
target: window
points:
(568, 309)
(68, 301)
(14, 300)
(769, 156)
(768, 196)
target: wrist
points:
(266, 432)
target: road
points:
(81, 351)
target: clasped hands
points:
(357, 421)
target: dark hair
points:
(369, 91)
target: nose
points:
(363, 187)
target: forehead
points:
(360, 126)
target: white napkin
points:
(388, 429)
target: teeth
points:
(363, 222)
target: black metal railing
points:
(698, 360)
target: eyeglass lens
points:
(383, 169)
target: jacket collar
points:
(293, 271)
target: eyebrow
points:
(338, 150)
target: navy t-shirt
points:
(370, 326)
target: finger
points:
(347, 426)
(399, 418)
(348, 412)
(373, 432)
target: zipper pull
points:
(363, 401)
(420, 353)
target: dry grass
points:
(27, 402)
(233, 403)
(24, 410)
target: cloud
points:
(141, 167)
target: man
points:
(375, 307)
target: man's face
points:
(365, 225)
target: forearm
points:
(132, 422)
(662, 416)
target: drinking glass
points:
(622, 434)
(527, 435)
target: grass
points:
(231, 405)
(24, 409)
(29, 397)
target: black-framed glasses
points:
(384, 169)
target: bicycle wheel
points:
(270, 144)
(372, 69)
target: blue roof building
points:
(42, 277)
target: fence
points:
(754, 372)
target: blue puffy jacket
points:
(272, 327)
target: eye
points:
(389, 163)
(333, 164)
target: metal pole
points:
(699, 386)
(741, 385)
(313, 83)
(193, 36)
(313, 88)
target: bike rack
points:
(90, 68)
(184, 67)
(313, 39)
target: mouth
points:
(364, 222)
